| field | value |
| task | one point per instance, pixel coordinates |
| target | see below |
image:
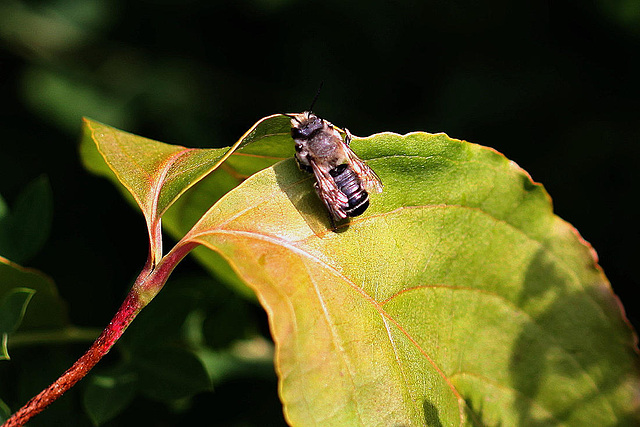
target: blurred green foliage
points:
(12, 308)
(25, 227)
(553, 85)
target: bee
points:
(343, 180)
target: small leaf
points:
(24, 230)
(157, 174)
(46, 309)
(12, 308)
(268, 142)
(457, 298)
(108, 394)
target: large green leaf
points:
(458, 298)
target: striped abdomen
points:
(349, 184)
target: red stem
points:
(147, 285)
(82, 366)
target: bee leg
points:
(302, 166)
(332, 222)
(347, 138)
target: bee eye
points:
(298, 148)
(295, 133)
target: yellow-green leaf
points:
(457, 298)
(268, 142)
(156, 174)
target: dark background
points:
(555, 86)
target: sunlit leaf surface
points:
(457, 298)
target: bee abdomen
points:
(349, 184)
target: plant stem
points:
(101, 346)
(147, 285)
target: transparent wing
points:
(370, 180)
(328, 191)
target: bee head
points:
(304, 125)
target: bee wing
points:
(370, 180)
(334, 199)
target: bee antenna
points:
(315, 98)
(291, 116)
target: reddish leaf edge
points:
(635, 344)
(595, 259)
(585, 243)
